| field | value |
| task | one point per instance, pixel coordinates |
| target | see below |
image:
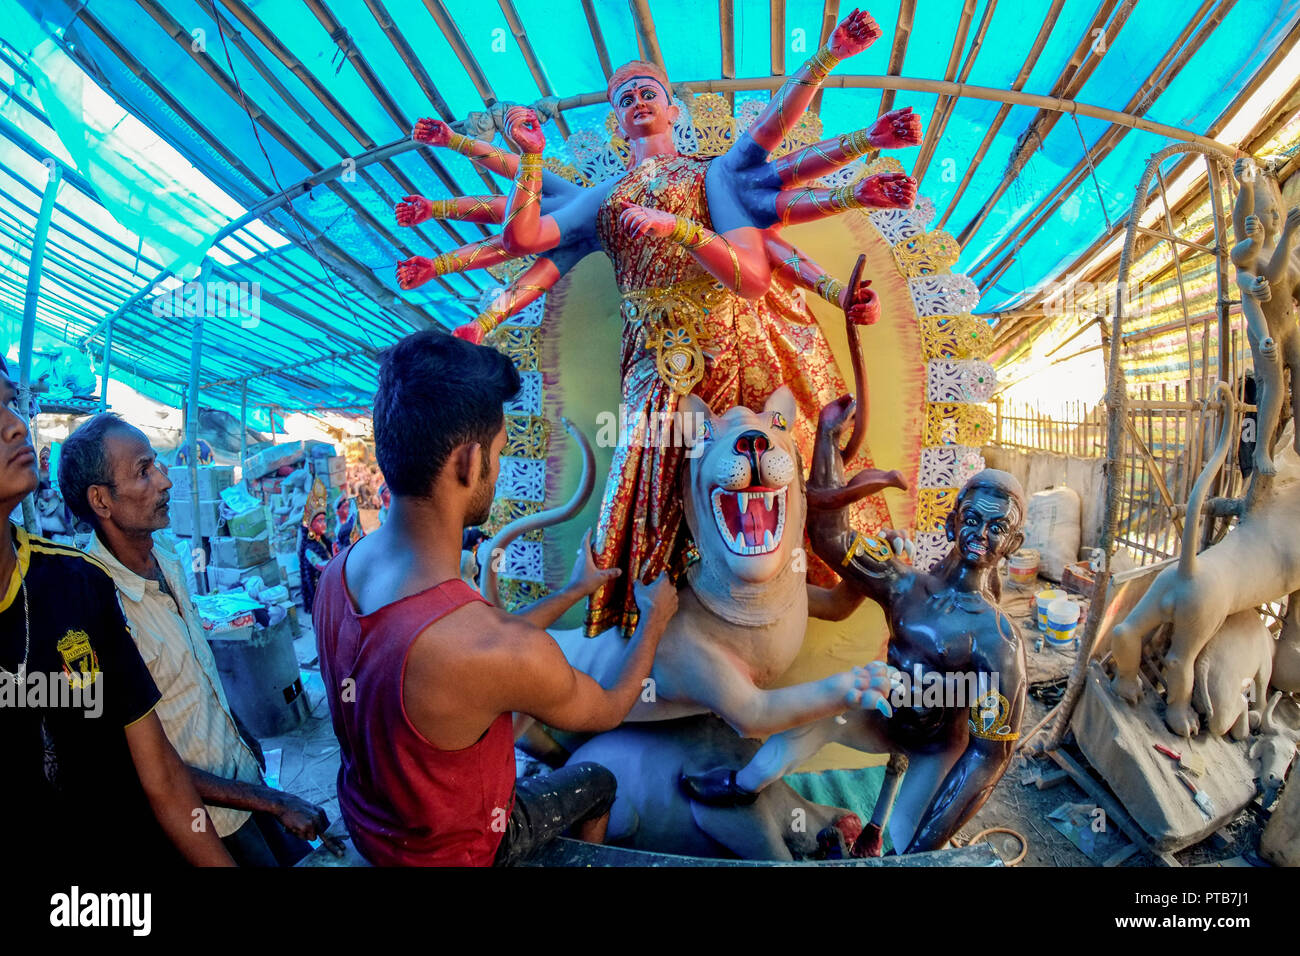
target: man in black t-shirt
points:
(90, 778)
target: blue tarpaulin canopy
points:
(175, 118)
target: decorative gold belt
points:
(673, 317)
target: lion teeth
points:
(767, 541)
(768, 498)
(740, 541)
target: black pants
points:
(262, 841)
(548, 804)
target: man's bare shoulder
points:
(475, 638)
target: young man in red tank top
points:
(423, 675)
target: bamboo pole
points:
(1044, 31)
(27, 332)
(944, 104)
(1057, 104)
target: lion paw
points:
(1129, 689)
(1182, 720)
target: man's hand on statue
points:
(523, 127)
(413, 210)
(1254, 227)
(855, 33)
(432, 132)
(471, 332)
(1268, 347)
(1293, 219)
(414, 271)
(864, 304)
(587, 578)
(887, 191)
(896, 129)
(869, 688)
(641, 221)
(657, 602)
(1244, 170)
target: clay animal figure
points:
(1286, 655)
(1233, 671)
(650, 811)
(744, 606)
(1268, 276)
(1274, 749)
(1258, 561)
(946, 629)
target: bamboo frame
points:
(1170, 65)
(1080, 67)
(1036, 51)
(1196, 195)
(862, 81)
(645, 31)
(943, 106)
(1117, 413)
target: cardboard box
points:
(213, 480)
(223, 579)
(332, 471)
(182, 517)
(249, 524)
(269, 572)
(241, 552)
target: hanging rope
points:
(1092, 170)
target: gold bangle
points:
(735, 263)
(687, 232)
(822, 62)
(855, 144)
(844, 198)
(442, 208)
(530, 164)
(445, 263)
(830, 288)
(462, 144)
(489, 320)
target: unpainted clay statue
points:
(1273, 750)
(1268, 276)
(1257, 562)
(945, 626)
(1232, 673)
(650, 811)
(1286, 655)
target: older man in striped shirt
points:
(110, 478)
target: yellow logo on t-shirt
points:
(80, 663)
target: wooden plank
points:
(1114, 812)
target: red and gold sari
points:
(684, 332)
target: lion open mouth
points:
(750, 521)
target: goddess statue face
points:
(643, 108)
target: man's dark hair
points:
(436, 392)
(83, 462)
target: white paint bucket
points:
(1062, 619)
